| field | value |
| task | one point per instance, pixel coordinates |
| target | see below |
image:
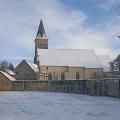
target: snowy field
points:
(57, 106)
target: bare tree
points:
(115, 65)
(5, 65)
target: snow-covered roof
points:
(8, 76)
(104, 61)
(69, 57)
(10, 72)
(32, 65)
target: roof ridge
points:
(29, 61)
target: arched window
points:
(77, 76)
(49, 76)
(62, 76)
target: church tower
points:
(41, 40)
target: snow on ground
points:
(57, 106)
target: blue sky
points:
(72, 24)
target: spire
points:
(41, 30)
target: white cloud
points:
(108, 4)
(100, 38)
(65, 28)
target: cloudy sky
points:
(71, 24)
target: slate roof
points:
(69, 57)
(41, 31)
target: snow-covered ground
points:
(57, 106)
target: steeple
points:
(41, 31)
(41, 41)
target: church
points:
(62, 64)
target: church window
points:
(77, 76)
(62, 76)
(49, 76)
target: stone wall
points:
(5, 84)
(108, 87)
(103, 87)
(92, 87)
(74, 86)
(70, 72)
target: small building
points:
(26, 70)
(6, 81)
